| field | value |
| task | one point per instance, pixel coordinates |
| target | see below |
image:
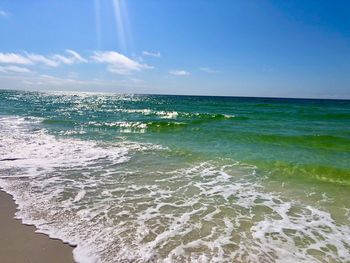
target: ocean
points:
(157, 178)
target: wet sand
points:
(20, 244)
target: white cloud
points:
(76, 56)
(14, 69)
(118, 63)
(57, 59)
(115, 62)
(3, 13)
(12, 58)
(62, 59)
(208, 70)
(179, 72)
(32, 59)
(35, 58)
(72, 59)
(151, 54)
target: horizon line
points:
(183, 95)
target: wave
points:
(156, 125)
(127, 126)
(182, 120)
(177, 114)
(203, 212)
(208, 116)
(41, 171)
(118, 205)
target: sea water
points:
(153, 178)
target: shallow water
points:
(144, 178)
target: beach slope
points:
(19, 243)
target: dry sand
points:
(20, 244)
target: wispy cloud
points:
(12, 58)
(72, 59)
(208, 70)
(76, 56)
(118, 63)
(40, 59)
(33, 59)
(14, 69)
(179, 72)
(115, 62)
(151, 54)
(58, 59)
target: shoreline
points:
(21, 243)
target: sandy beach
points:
(19, 243)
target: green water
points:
(196, 179)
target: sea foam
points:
(93, 195)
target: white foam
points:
(162, 114)
(79, 196)
(170, 114)
(85, 193)
(126, 126)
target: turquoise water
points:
(151, 178)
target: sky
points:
(260, 48)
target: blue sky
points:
(227, 47)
